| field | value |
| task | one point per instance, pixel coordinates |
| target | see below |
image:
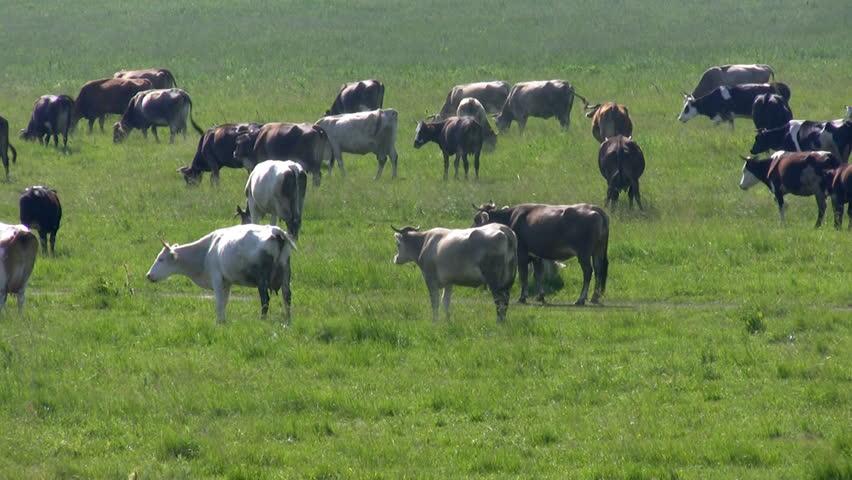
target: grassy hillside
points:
(722, 351)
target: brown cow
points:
(304, 143)
(608, 120)
(357, 97)
(160, 78)
(5, 146)
(621, 163)
(841, 193)
(99, 98)
(215, 151)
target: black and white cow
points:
(723, 104)
(156, 108)
(770, 111)
(802, 136)
(52, 115)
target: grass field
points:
(722, 351)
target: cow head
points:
(27, 134)
(119, 132)
(689, 110)
(165, 265)
(483, 213)
(191, 176)
(503, 120)
(766, 138)
(245, 216)
(754, 171)
(408, 244)
(243, 147)
(425, 133)
(591, 109)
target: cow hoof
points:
(580, 303)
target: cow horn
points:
(166, 245)
(395, 229)
(747, 158)
(475, 207)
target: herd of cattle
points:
(809, 159)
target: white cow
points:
(247, 255)
(18, 250)
(276, 188)
(363, 133)
(471, 107)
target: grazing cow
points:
(556, 232)
(802, 136)
(841, 193)
(276, 188)
(160, 78)
(302, 142)
(455, 135)
(358, 97)
(156, 108)
(492, 95)
(41, 210)
(799, 173)
(731, 75)
(52, 115)
(468, 257)
(770, 111)
(362, 133)
(216, 150)
(608, 120)
(543, 99)
(725, 103)
(621, 163)
(246, 255)
(5, 146)
(99, 98)
(18, 250)
(471, 107)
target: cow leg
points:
(101, 121)
(849, 214)
(434, 292)
(394, 158)
(65, 141)
(339, 156)
(3, 295)
(43, 239)
(221, 291)
(144, 133)
(172, 133)
(263, 292)
(564, 121)
(286, 293)
(214, 176)
(820, 199)
(779, 199)
(21, 301)
(448, 293)
(538, 275)
(55, 134)
(501, 301)
(52, 243)
(456, 166)
(634, 193)
(586, 265)
(317, 178)
(476, 163)
(837, 208)
(380, 162)
(446, 166)
(466, 165)
(523, 272)
(601, 264)
(91, 125)
(522, 124)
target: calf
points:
(41, 210)
(18, 250)
(156, 108)
(302, 142)
(770, 111)
(492, 95)
(361, 133)
(608, 120)
(358, 97)
(276, 188)
(248, 255)
(455, 135)
(723, 104)
(471, 107)
(216, 151)
(99, 98)
(469, 257)
(5, 146)
(543, 99)
(621, 163)
(159, 77)
(556, 232)
(841, 193)
(800, 173)
(731, 75)
(52, 115)
(800, 136)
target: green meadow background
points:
(722, 351)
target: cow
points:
(492, 95)
(608, 120)
(156, 108)
(5, 146)
(841, 193)
(362, 133)
(556, 232)
(621, 163)
(799, 173)
(216, 151)
(470, 257)
(247, 255)
(41, 210)
(801, 136)
(731, 75)
(160, 78)
(770, 111)
(276, 188)
(302, 142)
(99, 98)
(471, 107)
(52, 115)
(456, 135)
(543, 99)
(725, 103)
(358, 97)
(18, 250)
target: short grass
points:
(723, 351)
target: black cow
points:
(5, 146)
(803, 136)
(800, 173)
(52, 115)
(621, 163)
(216, 151)
(455, 135)
(770, 111)
(40, 210)
(358, 97)
(725, 103)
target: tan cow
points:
(608, 120)
(159, 77)
(18, 250)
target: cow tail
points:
(379, 123)
(192, 120)
(582, 98)
(14, 153)
(326, 147)
(771, 73)
(171, 77)
(381, 95)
